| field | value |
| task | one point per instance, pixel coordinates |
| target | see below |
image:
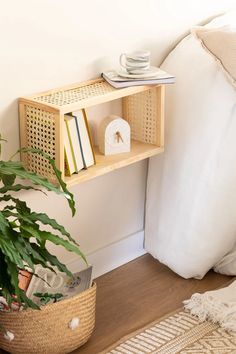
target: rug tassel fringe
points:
(206, 308)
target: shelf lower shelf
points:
(139, 151)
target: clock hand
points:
(119, 137)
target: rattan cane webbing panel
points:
(40, 134)
(142, 115)
(66, 97)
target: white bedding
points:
(191, 191)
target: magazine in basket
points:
(45, 281)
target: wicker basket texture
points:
(47, 331)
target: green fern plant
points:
(22, 231)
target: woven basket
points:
(47, 331)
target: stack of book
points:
(122, 79)
(79, 152)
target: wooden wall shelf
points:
(42, 115)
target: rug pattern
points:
(179, 333)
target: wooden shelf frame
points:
(42, 115)
(106, 93)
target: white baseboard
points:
(114, 255)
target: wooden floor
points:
(137, 293)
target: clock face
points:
(117, 137)
(117, 134)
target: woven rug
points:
(177, 333)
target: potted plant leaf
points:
(23, 246)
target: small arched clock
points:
(114, 135)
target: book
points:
(161, 77)
(84, 138)
(74, 144)
(70, 164)
(46, 281)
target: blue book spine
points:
(80, 142)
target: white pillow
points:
(221, 43)
(219, 38)
(191, 192)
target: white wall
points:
(49, 43)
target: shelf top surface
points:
(83, 95)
